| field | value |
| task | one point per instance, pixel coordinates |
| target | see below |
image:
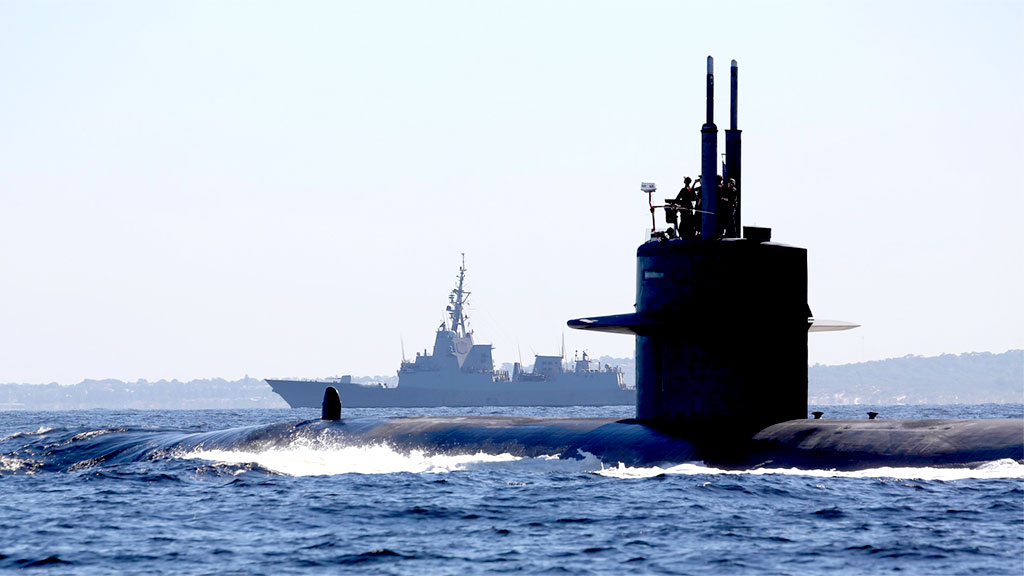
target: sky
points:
(197, 189)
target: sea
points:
(115, 492)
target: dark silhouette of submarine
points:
(721, 325)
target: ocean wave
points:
(41, 430)
(90, 434)
(10, 464)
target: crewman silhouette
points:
(684, 207)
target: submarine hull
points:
(860, 444)
(610, 440)
(802, 444)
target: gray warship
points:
(459, 372)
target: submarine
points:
(721, 323)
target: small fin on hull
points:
(619, 323)
(646, 324)
(331, 408)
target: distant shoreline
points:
(970, 378)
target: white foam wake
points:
(998, 469)
(320, 457)
(379, 459)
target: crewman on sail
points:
(723, 209)
(731, 195)
(684, 207)
(697, 205)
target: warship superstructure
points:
(459, 372)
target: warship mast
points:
(457, 299)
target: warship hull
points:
(600, 389)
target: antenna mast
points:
(458, 299)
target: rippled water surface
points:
(107, 492)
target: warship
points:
(458, 372)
